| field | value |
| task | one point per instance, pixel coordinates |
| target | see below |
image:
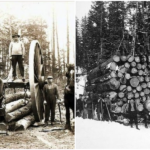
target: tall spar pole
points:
(68, 51)
(53, 54)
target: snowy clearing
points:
(92, 134)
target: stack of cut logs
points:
(123, 78)
(18, 111)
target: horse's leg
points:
(67, 126)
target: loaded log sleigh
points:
(20, 110)
(120, 79)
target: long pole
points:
(68, 51)
(53, 43)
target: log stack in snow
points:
(18, 111)
(126, 76)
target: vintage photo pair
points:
(74, 75)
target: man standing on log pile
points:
(16, 55)
(50, 92)
(133, 113)
(79, 106)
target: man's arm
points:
(10, 50)
(57, 94)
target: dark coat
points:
(79, 105)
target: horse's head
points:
(70, 76)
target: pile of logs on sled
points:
(18, 111)
(123, 78)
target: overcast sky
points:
(82, 8)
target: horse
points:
(69, 94)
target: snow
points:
(92, 134)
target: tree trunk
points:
(17, 114)
(25, 122)
(111, 84)
(15, 96)
(15, 105)
(134, 82)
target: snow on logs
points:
(18, 111)
(127, 76)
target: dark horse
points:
(69, 94)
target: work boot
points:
(137, 128)
(46, 124)
(23, 79)
(146, 126)
(14, 78)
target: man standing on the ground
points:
(133, 113)
(79, 106)
(89, 106)
(85, 112)
(50, 91)
(16, 55)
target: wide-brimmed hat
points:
(50, 77)
(15, 35)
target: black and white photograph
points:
(37, 61)
(112, 74)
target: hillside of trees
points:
(112, 28)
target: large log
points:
(17, 114)
(25, 122)
(127, 76)
(139, 88)
(136, 95)
(122, 87)
(123, 58)
(129, 88)
(134, 70)
(141, 78)
(133, 64)
(140, 72)
(130, 58)
(123, 80)
(16, 96)
(104, 68)
(120, 94)
(139, 66)
(134, 82)
(112, 84)
(137, 59)
(146, 91)
(130, 95)
(15, 105)
(127, 65)
(101, 78)
(144, 85)
(112, 95)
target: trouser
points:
(50, 109)
(77, 114)
(85, 113)
(90, 114)
(133, 117)
(17, 59)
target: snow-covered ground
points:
(92, 134)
